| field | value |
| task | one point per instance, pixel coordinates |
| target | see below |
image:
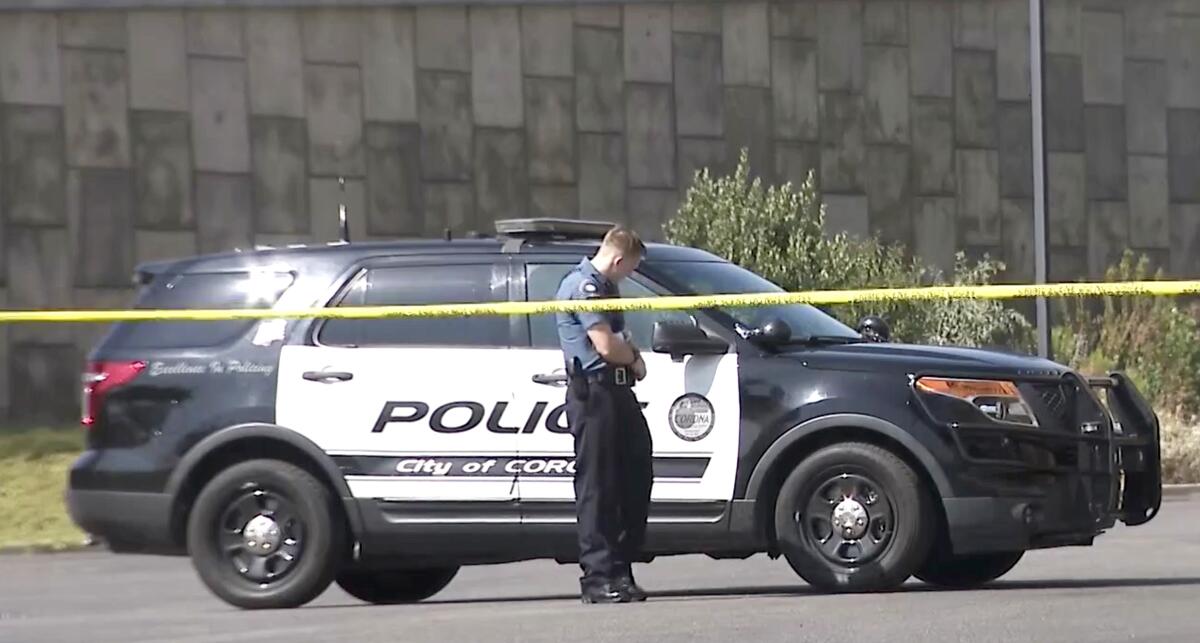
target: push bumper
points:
(1112, 473)
(1138, 454)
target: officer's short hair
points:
(625, 241)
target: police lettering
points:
(450, 417)
(494, 425)
(417, 410)
(437, 420)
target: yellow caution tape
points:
(1077, 289)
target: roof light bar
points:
(550, 227)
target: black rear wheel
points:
(387, 587)
(266, 534)
(854, 517)
(973, 570)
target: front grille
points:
(1066, 455)
(1058, 403)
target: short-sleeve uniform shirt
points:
(585, 282)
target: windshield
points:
(700, 278)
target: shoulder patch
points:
(588, 287)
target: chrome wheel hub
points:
(261, 535)
(851, 518)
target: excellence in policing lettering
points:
(216, 367)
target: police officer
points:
(613, 463)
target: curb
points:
(61, 548)
(1176, 490)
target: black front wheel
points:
(964, 572)
(387, 587)
(266, 534)
(854, 517)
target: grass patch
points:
(37, 443)
(33, 477)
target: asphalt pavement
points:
(1133, 584)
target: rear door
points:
(692, 407)
(412, 409)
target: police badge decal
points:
(691, 417)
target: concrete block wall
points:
(135, 134)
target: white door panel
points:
(700, 469)
(412, 423)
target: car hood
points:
(912, 358)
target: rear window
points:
(224, 290)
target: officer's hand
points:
(639, 368)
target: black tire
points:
(896, 511)
(310, 530)
(965, 572)
(388, 587)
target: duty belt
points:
(613, 375)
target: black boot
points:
(627, 585)
(603, 593)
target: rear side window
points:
(224, 290)
(411, 285)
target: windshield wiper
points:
(827, 339)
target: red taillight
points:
(102, 377)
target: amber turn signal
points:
(968, 389)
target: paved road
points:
(1141, 584)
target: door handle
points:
(325, 376)
(550, 379)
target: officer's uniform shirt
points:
(585, 282)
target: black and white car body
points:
(384, 454)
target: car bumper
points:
(127, 521)
(978, 525)
(116, 495)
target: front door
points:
(692, 407)
(413, 410)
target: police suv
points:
(384, 454)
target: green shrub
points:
(779, 232)
(1152, 339)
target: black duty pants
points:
(613, 476)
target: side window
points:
(542, 283)
(408, 285)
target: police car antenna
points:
(343, 223)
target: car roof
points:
(342, 253)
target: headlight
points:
(964, 400)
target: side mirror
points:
(875, 329)
(681, 338)
(775, 331)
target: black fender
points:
(259, 430)
(805, 429)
